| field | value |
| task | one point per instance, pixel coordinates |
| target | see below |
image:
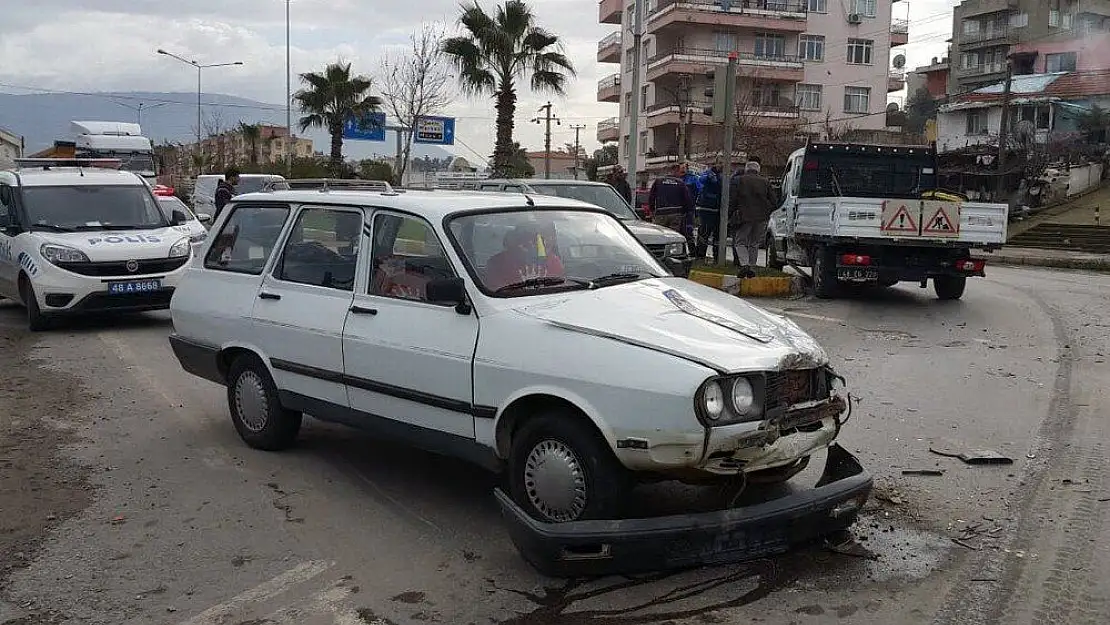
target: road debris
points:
(934, 472)
(966, 545)
(953, 449)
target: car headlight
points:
(181, 248)
(743, 396)
(675, 249)
(62, 254)
(713, 400)
(837, 388)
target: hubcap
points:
(555, 482)
(250, 401)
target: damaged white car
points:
(535, 336)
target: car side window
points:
(247, 238)
(406, 255)
(322, 249)
(7, 206)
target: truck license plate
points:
(857, 274)
(134, 286)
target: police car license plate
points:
(134, 286)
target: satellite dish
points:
(899, 61)
(892, 107)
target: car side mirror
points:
(178, 218)
(204, 218)
(449, 291)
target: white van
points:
(204, 194)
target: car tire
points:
(825, 285)
(556, 455)
(773, 260)
(36, 321)
(256, 410)
(949, 287)
(886, 284)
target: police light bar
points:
(47, 163)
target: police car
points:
(81, 236)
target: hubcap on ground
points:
(555, 482)
(251, 402)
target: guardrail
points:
(609, 40)
(722, 55)
(613, 80)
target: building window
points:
(1060, 62)
(971, 27)
(811, 47)
(628, 102)
(865, 8)
(977, 122)
(643, 142)
(1038, 115)
(643, 97)
(1019, 20)
(624, 145)
(857, 99)
(859, 51)
(628, 59)
(765, 94)
(773, 46)
(817, 6)
(809, 97)
(725, 42)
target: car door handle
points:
(265, 295)
(359, 310)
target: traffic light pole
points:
(726, 170)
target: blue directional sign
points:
(370, 128)
(435, 130)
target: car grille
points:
(100, 302)
(119, 268)
(657, 250)
(786, 388)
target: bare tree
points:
(415, 83)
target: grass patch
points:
(728, 269)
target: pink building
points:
(1082, 54)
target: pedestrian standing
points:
(225, 190)
(671, 203)
(751, 202)
(619, 181)
(708, 211)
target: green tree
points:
(330, 99)
(518, 165)
(1094, 123)
(369, 169)
(920, 108)
(496, 53)
(252, 134)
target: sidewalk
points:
(1080, 211)
(1046, 258)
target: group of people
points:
(691, 203)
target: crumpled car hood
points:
(687, 320)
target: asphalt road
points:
(126, 496)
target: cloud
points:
(50, 44)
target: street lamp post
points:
(199, 67)
(139, 110)
(288, 100)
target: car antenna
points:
(528, 199)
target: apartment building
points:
(11, 146)
(801, 63)
(1043, 36)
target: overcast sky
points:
(109, 45)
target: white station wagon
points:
(535, 336)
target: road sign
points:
(897, 218)
(370, 128)
(435, 130)
(944, 220)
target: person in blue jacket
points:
(708, 210)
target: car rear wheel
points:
(773, 260)
(561, 470)
(949, 287)
(825, 285)
(256, 410)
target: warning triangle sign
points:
(940, 223)
(901, 221)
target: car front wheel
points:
(561, 470)
(36, 321)
(256, 410)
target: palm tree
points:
(252, 134)
(333, 97)
(499, 50)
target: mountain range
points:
(165, 117)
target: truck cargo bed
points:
(912, 222)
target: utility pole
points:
(730, 122)
(634, 120)
(547, 119)
(577, 146)
(1003, 130)
(289, 145)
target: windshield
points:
(138, 162)
(867, 175)
(93, 207)
(250, 185)
(529, 251)
(170, 204)
(600, 195)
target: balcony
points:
(608, 130)
(985, 7)
(987, 37)
(609, 89)
(899, 32)
(610, 11)
(895, 81)
(609, 49)
(696, 61)
(986, 69)
(766, 15)
(669, 113)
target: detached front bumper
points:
(621, 546)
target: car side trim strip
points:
(420, 397)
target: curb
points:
(1094, 264)
(766, 286)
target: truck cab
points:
(116, 140)
(873, 214)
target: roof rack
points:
(47, 163)
(329, 184)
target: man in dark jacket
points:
(619, 181)
(671, 204)
(225, 189)
(751, 202)
(708, 210)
